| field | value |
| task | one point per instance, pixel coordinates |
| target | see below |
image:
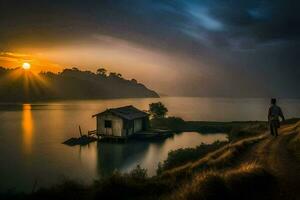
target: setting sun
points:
(26, 66)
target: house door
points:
(108, 127)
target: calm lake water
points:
(31, 136)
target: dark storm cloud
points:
(262, 21)
(203, 21)
(251, 39)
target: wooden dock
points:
(106, 138)
(151, 135)
(82, 140)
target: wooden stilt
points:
(80, 131)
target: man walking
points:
(273, 116)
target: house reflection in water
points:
(27, 128)
(119, 157)
(125, 157)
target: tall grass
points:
(225, 157)
(294, 143)
(247, 130)
(182, 156)
(247, 182)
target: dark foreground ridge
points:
(18, 85)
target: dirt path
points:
(273, 154)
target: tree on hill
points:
(157, 110)
(134, 81)
(119, 75)
(116, 75)
(101, 71)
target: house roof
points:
(126, 112)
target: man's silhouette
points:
(273, 116)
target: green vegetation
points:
(17, 85)
(294, 143)
(248, 181)
(294, 147)
(175, 124)
(133, 185)
(239, 131)
(226, 157)
(157, 110)
(182, 156)
(234, 129)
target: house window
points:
(107, 124)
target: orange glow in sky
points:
(130, 59)
(26, 66)
(27, 61)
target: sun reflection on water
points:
(27, 128)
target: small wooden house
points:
(121, 122)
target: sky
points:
(224, 48)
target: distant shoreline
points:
(69, 100)
(18, 85)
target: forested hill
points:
(18, 85)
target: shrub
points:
(138, 173)
(157, 110)
(182, 156)
(132, 185)
(247, 130)
(68, 189)
(172, 123)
